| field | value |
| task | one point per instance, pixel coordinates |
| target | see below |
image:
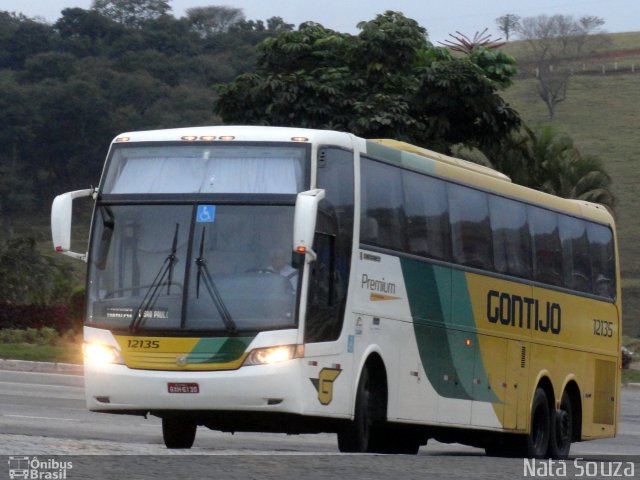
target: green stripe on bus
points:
(218, 349)
(442, 328)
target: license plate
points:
(183, 388)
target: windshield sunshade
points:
(206, 169)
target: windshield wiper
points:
(149, 299)
(207, 279)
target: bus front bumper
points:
(268, 388)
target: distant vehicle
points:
(426, 297)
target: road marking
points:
(43, 418)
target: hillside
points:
(602, 113)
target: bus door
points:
(328, 284)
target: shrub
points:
(56, 317)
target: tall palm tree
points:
(565, 172)
(546, 160)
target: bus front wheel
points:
(561, 429)
(358, 435)
(178, 432)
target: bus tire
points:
(357, 435)
(178, 432)
(561, 429)
(536, 443)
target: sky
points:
(439, 17)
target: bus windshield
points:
(202, 267)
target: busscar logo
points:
(324, 384)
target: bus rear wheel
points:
(561, 429)
(178, 432)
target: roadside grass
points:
(41, 353)
(630, 376)
(40, 345)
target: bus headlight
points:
(264, 356)
(100, 353)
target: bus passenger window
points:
(511, 240)
(602, 260)
(382, 202)
(575, 252)
(547, 251)
(470, 228)
(426, 210)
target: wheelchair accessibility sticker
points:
(206, 213)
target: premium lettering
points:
(376, 285)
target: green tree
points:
(132, 13)
(16, 174)
(213, 19)
(28, 277)
(21, 37)
(388, 81)
(86, 33)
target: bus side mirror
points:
(304, 225)
(61, 213)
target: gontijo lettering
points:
(523, 312)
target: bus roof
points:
(394, 151)
(423, 152)
(240, 133)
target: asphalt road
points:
(44, 416)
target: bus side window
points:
(547, 250)
(382, 205)
(575, 252)
(602, 260)
(470, 228)
(511, 239)
(427, 216)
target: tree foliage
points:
(387, 81)
(548, 161)
(214, 19)
(132, 13)
(66, 89)
(28, 277)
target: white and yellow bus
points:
(298, 281)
